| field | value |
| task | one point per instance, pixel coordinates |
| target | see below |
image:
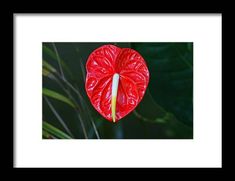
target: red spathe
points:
(101, 65)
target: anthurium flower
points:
(116, 80)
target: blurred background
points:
(165, 112)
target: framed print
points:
(117, 90)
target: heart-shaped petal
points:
(133, 78)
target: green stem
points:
(83, 126)
(48, 128)
(83, 102)
(59, 60)
(58, 116)
(76, 104)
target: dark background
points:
(166, 111)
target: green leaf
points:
(45, 72)
(48, 66)
(171, 76)
(52, 54)
(49, 52)
(49, 129)
(57, 96)
(46, 135)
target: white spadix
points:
(114, 95)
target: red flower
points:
(116, 80)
